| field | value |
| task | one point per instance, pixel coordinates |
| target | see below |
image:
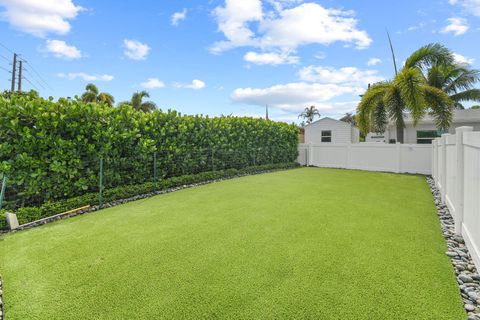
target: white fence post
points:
(443, 176)
(434, 159)
(398, 145)
(460, 172)
(310, 154)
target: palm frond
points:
(433, 53)
(467, 95)
(409, 82)
(441, 106)
(371, 100)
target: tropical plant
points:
(456, 80)
(309, 114)
(349, 118)
(92, 94)
(409, 91)
(138, 104)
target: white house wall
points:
(341, 131)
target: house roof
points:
(459, 116)
(329, 119)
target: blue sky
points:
(228, 57)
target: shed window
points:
(426, 136)
(326, 135)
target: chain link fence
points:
(74, 183)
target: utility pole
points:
(14, 70)
(266, 112)
(20, 76)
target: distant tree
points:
(475, 107)
(140, 105)
(309, 114)
(91, 94)
(349, 118)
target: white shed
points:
(328, 130)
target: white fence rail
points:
(456, 170)
(400, 158)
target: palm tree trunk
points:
(399, 125)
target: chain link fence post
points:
(154, 171)
(100, 183)
(2, 192)
(213, 159)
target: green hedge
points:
(28, 214)
(51, 150)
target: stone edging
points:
(56, 217)
(467, 277)
(1, 299)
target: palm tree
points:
(91, 94)
(309, 114)
(456, 80)
(138, 104)
(408, 91)
(349, 118)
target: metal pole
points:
(20, 76)
(100, 183)
(14, 70)
(154, 171)
(2, 193)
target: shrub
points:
(51, 150)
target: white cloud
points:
(40, 17)
(85, 76)
(457, 26)
(347, 75)
(61, 49)
(471, 6)
(271, 58)
(135, 49)
(462, 59)
(152, 83)
(195, 85)
(178, 16)
(295, 96)
(285, 28)
(374, 61)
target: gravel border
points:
(1, 299)
(467, 277)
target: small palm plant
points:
(408, 91)
(92, 94)
(309, 114)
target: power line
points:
(34, 79)
(5, 69)
(26, 79)
(2, 56)
(38, 74)
(4, 46)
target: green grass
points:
(299, 244)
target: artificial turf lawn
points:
(306, 243)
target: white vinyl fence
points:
(456, 171)
(400, 158)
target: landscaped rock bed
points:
(1, 299)
(467, 277)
